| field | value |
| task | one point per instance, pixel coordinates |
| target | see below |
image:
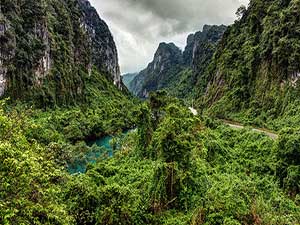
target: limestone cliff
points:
(49, 49)
(104, 51)
(201, 44)
(167, 61)
(178, 72)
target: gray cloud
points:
(139, 25)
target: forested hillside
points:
(254, 74)
(59, 63)
(50, 48)
(60, 78)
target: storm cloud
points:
(138, 26)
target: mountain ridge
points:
(167, 61)
(187, 65)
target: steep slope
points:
(179, 77)
(167, 62)
(127, 78)
(200, 44)
(197, 55)
(256, 68)
(104, 51)
(49, 49)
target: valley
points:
(205, 134)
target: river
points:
(104, 149)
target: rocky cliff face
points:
(7, 43)
(167, 61)
(202, 44)
(178, 71)
(50, 48)
(104, 51)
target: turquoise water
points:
(101, 148)
(105, 143)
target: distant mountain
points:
(177, 71)
(127, 78)
(167, 61)
(197, 55)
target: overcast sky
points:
(138, 26)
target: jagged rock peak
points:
(171, 47)
(167, 59)
(209, 34)
(170, 64)
(86, 2)
(166, 53)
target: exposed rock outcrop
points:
(50, 48)
(178, 71)
(167, 61)
(104, 51)
(202, 44)
(7, 45)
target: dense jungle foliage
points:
(176, 168)
(254, 75)
(37, 146)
